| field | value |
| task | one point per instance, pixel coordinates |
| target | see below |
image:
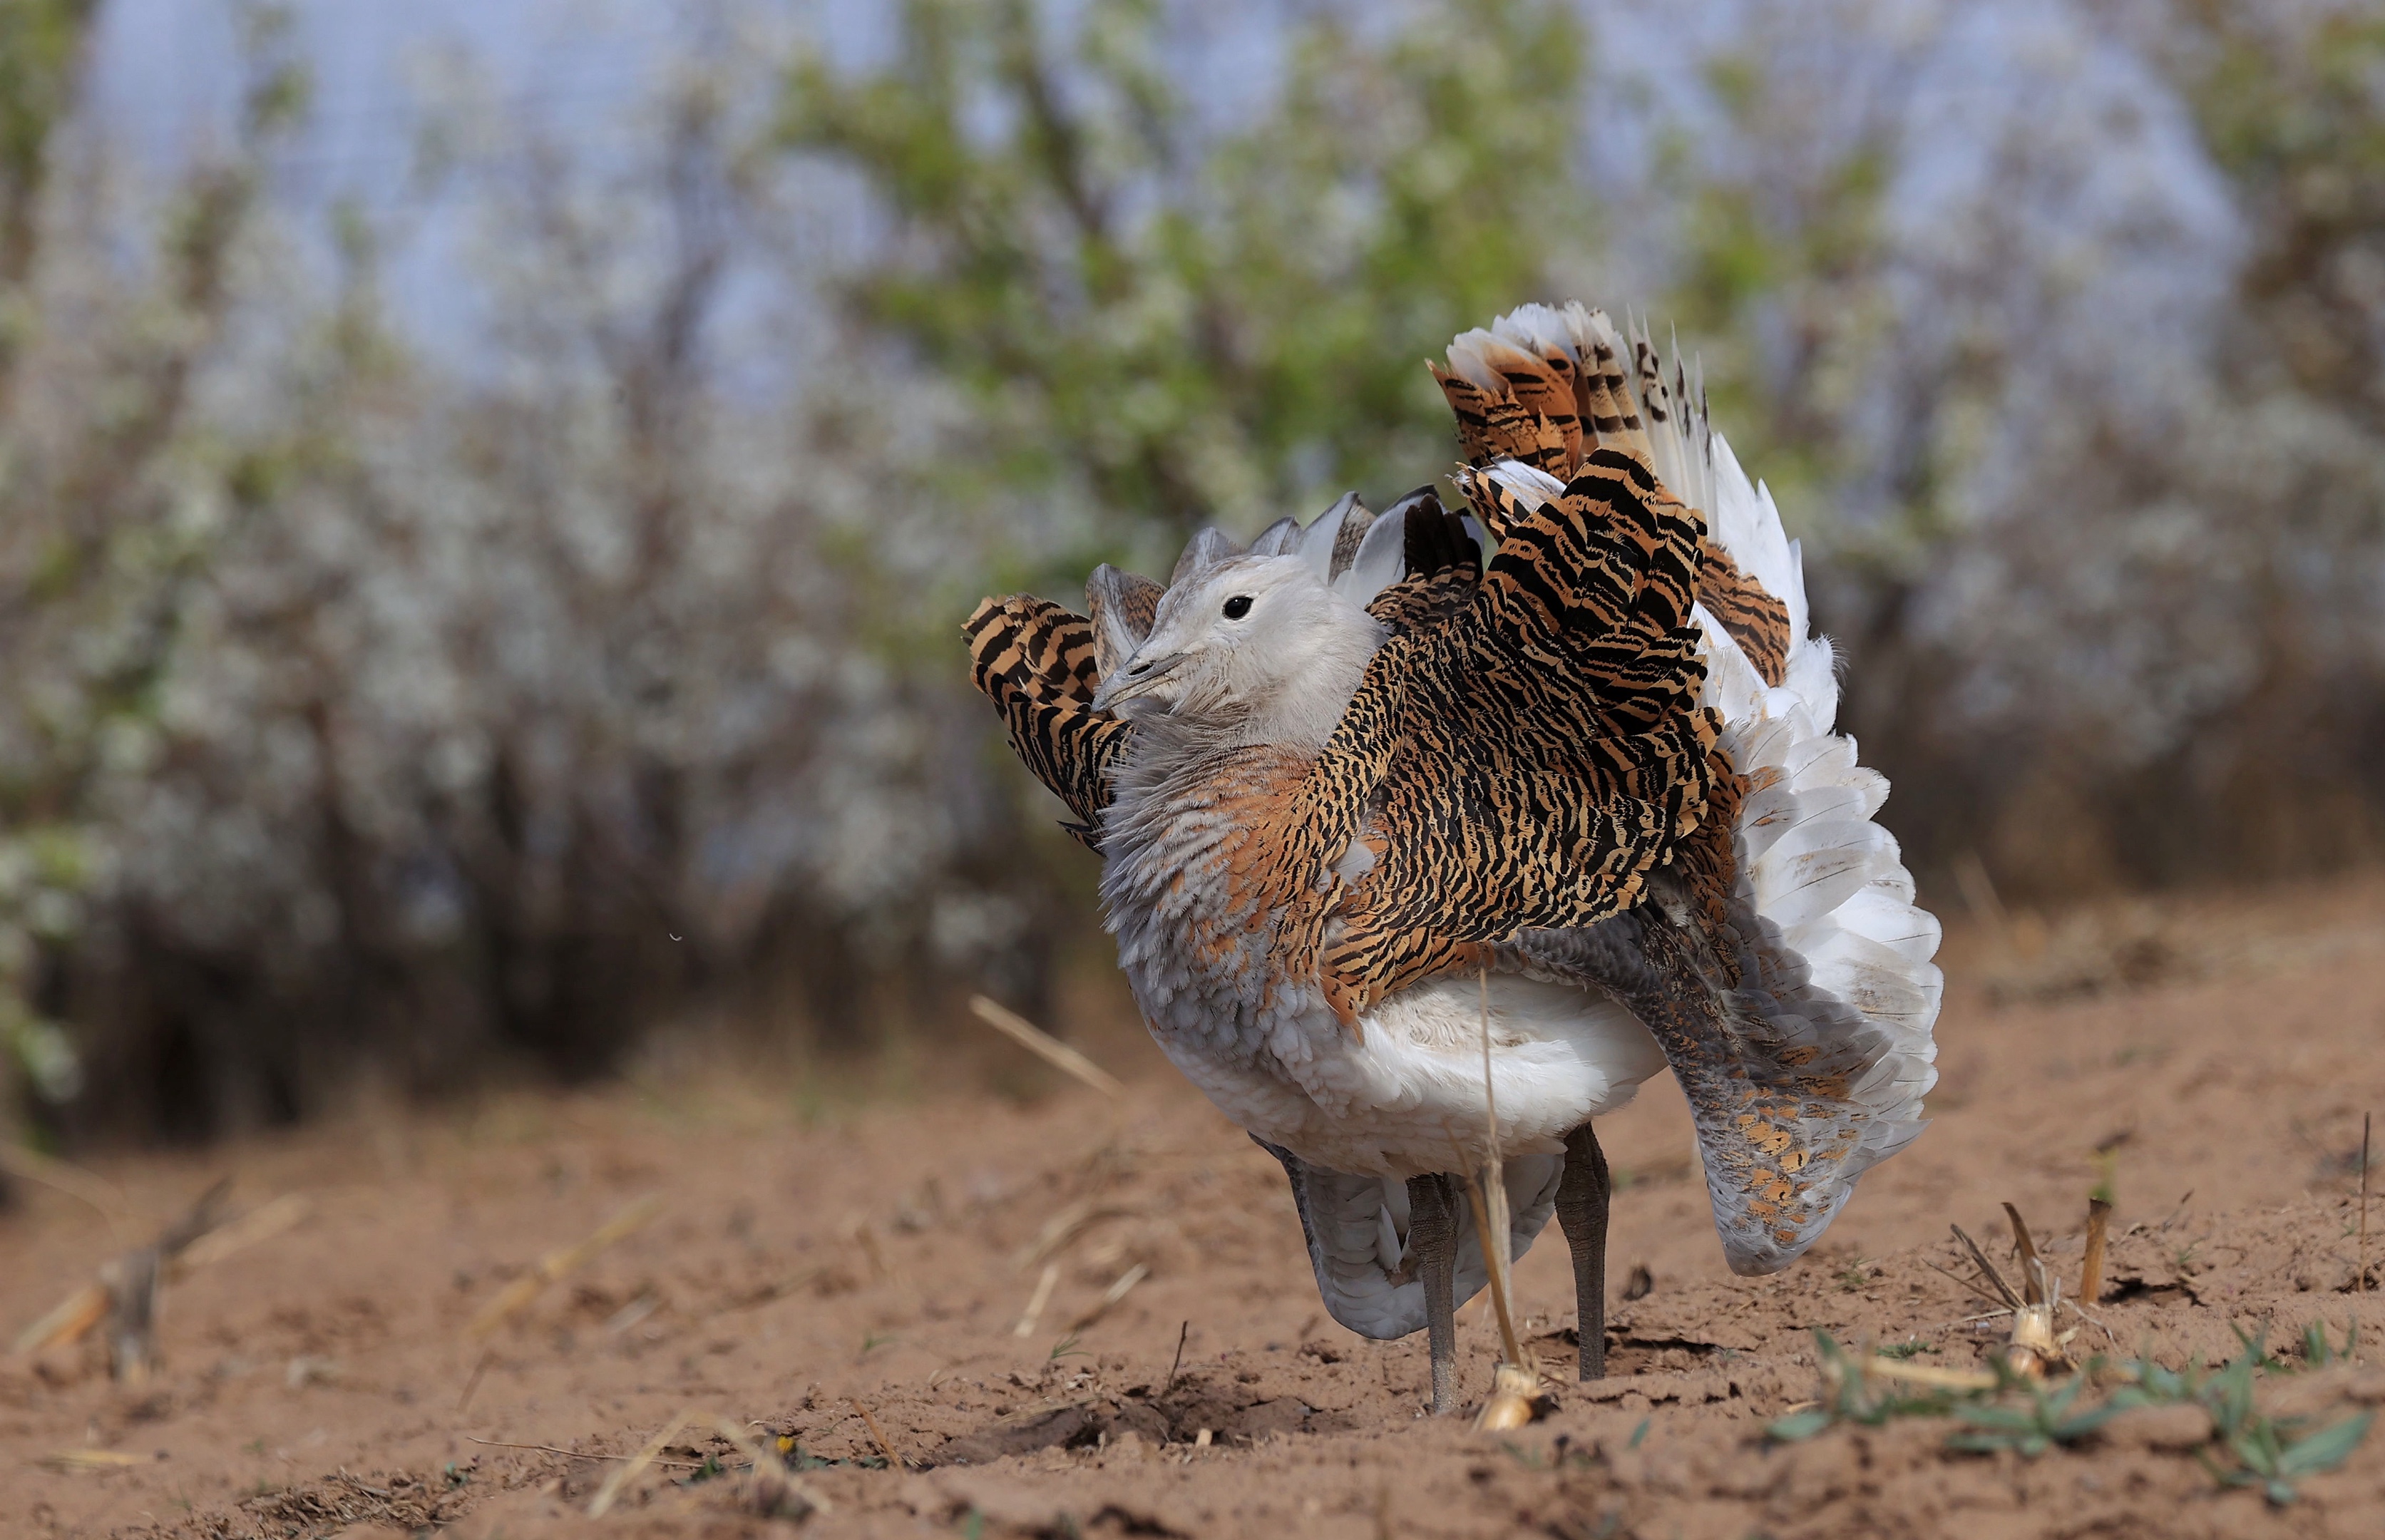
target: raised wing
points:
(1038, 663)
(1545, 386)
(1526, 762)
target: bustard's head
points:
(1257, 645)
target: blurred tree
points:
(2291, 105)
(368, 714)
(110, 496)
(2101, 580)
(1199, 323)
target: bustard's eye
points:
(1238, 606)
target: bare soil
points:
(809, 1266)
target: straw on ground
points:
(558, 1265)
(1035, 1040)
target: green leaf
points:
(1799, 1425)
(1978, 1443)
(2001, 1418)
(2325, 1450)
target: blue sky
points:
(1965, 78)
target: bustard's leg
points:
(1582, 1194)
(1432, 1235)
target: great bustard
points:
(1353, 781)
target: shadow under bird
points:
(1363, 797)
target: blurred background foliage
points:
(389, 712)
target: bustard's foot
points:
(1432, 1238)
(1582, 1195)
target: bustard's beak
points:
(1136, 679)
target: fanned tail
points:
(1802, 895)
(1819, 894)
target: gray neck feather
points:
(1161, 879)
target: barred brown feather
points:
(1036, 662)
(1529, 760)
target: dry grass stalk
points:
(864, 1235)
(283, 1214)
(2362, 1259)
(472, 1385)
(778, 1288)
(93, 1460)
(1971, 1285)
(1489, 1202)
(1110, 1297)
(1062, 1229)
(132, 1280)
(2003, 1291)
(625, 1474)
(1515, 1400)
(1035, 1040)
(182, 1250)
(2033, 1349)
(1182, 1332)
(878, 1436)
(2090, 1268)
(1515, 1397)
(580, 1454)
(88, 1186)
(1929, 1374)
(69, 1321)
(558, 1265)
(1029, 1317)
(2032, 1274)
(1980, 897)
(777, 1492)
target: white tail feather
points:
(1828, 883)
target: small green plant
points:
(2262, 1451)
(1066, 1348)
(1855, 1275)
(2317, 1351)
(2273, 1458)
(872, 1341)
(1529, 1459)
(2255, 1353)
(1849, 1396)
(1639, 1432)
(2032, 1429)
(2270, 1453)
(1906, 1349)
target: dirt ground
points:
(813, 1270)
